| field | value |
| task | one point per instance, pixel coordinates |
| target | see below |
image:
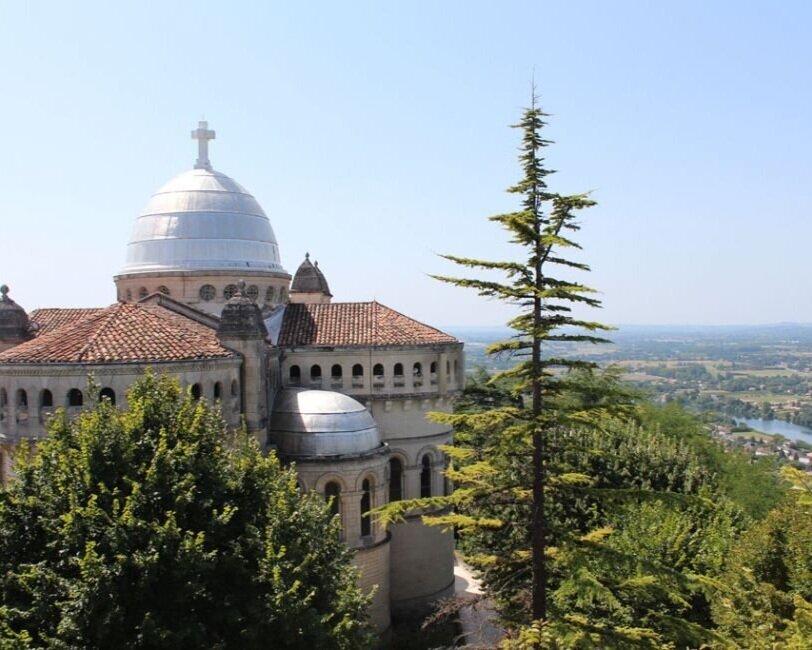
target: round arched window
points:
(269, 294)
(366, 506)
(395, 480)
(425, 477)
(207, 292)
(143, 293)
(164, 290)
(230, 291)
(252, 292)
(108, 394)
(332, 493)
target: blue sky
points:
(375, 135)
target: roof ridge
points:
(114, 310)
(414, 320)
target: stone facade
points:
(208, 291)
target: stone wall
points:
(20, 421)
(185, 286)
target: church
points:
(340, 388)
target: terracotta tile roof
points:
(48, 320)
(354, 323)
(122, 333)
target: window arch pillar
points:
(351, 517)
(442, 373)
(411, 481)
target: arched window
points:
(417, 375)
(398, 370)
(395, 480)
(283, 294)
(252, 292)
(207, 292)
(425, 477)
(269, 294)
(456, 366)
(142, 293)
(448, 367)
(358, 370)
(164, 290)
(235, 388)
(230, 291)
(46, 398)
(75, 397)
(108, 394)
(366, 506)
(332, 493)
(315, 372)
(336, 372)
(196, 391)
(433, 367)
(377, 370)
(22, 399)
(3, 398)
(128, 295)
(218, 390)
(295, 375)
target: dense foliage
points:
(149, 528)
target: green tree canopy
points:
(153, 528)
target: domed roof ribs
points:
(201, 221)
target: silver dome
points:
(320, 423)
(202, 220)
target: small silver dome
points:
(320, 423)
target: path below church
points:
(477, 620)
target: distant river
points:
(786, 429)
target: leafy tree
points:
(767, 600)
(151, 528)
(752, 484)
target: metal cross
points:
(203, 134)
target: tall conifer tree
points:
(542, 230)
(541, 473)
